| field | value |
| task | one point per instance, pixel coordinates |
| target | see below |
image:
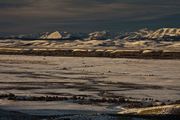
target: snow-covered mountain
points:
(99, 35)
(159, 34)
(52, 35)
(138, 35)
(56, 35)
(165, 34)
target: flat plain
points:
(87, 78)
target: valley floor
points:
(44, 85)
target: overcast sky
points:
(30, 16)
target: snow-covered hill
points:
(165, 34)
(159, 34)
(138, 35)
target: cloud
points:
(26, 13)
(82, 9)
(62, 8)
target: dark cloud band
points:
(26, 15)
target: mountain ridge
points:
(167, 34)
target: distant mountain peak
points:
(52, 35)
(99, 35)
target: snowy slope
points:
(165, 33)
